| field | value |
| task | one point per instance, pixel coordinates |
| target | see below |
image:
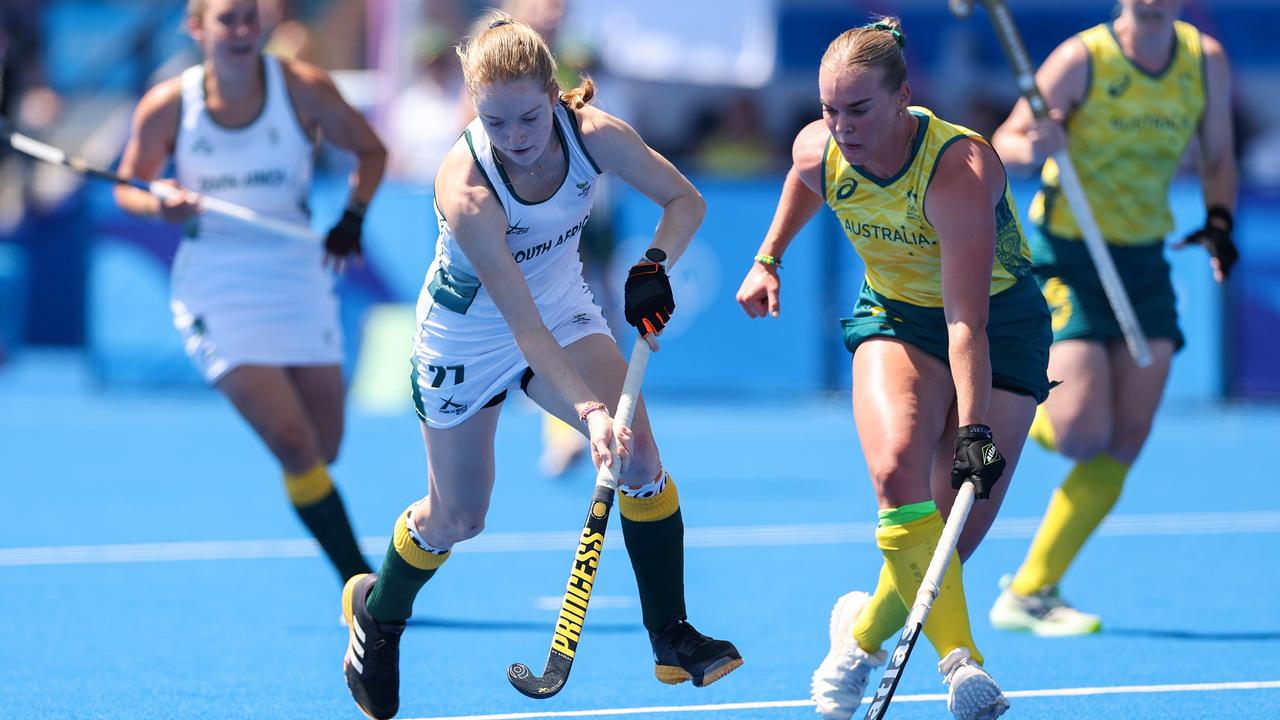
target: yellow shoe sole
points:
(674, 675)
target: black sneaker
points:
(372, 663)
(682, 653)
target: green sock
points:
(654, 533)
(405, 569)
(320, 508)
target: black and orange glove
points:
(647, 299)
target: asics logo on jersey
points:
(517, 229)
(845, 191)
(202, 147)
(1117, 88)
(584, 188)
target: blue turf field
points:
(152, 568)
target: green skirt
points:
(1018, 333)
(1079, 304)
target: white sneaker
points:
(1045, 614)
(971, 693)
(840, 681)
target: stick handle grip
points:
(626, 409)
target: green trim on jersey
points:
(582, 143)
(1126, 139)
(564, 148)
(466, 135)
(884, 218)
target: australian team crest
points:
(913, 204)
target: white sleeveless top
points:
(542, 237)
(266, 166)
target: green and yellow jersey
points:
(885, 220)
(1126, 139)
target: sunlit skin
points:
(870, 123)
(517, 118)
(1151, 15)
(229, 34)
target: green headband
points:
(897, 34)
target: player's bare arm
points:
(1217, 138)
(800, 200)
(960, 204)
(1024, 142)
(321, 107)
(153, 134)
(618, 149)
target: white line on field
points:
(807, 534)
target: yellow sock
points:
(310, 487)
(1042, 430)
(907, 549)
(1090, 490)
(883, 616)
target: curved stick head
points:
(961, 8)
(538, 688)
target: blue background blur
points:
(77, 272)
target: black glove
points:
(978, 459)
(647, 299)
(1215, 236)
(344, 238)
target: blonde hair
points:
(876, 45)
(504, 49)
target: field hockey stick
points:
(1016, 52)
(54, 156)
(924, 601)
(586, 560)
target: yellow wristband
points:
(769, 260)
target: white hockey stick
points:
(1016, 53)
(52, 155)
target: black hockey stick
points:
(586, 560)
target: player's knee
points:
(1128, 439)
(645, 463)
(331, 454)
(293, 443)
(1081, 442)
(892, 475)
(447, 532)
